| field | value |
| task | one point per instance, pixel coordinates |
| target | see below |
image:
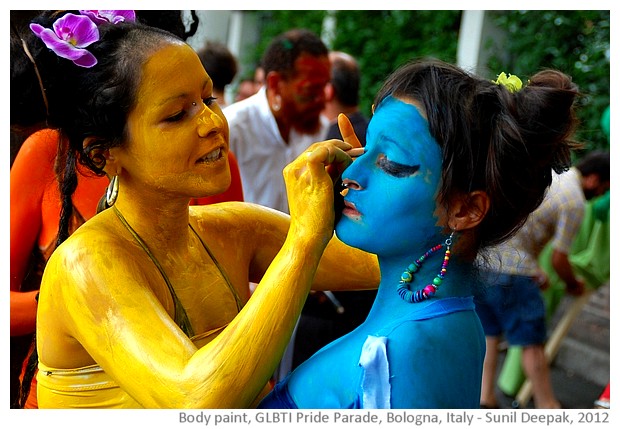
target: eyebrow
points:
(182, 95)
(395, 143)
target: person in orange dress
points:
(35, 214)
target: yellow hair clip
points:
(511, 82)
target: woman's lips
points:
(350, 210)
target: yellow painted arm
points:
(263, 231)
(345, 268)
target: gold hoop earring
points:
(112, 192)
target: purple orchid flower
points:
(71, 34)
(110, 16)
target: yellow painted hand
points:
(309, 186)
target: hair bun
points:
(546, 114)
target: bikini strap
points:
(222, 272)
(180, 315)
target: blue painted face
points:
(391, 204)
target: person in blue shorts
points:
(512, 305)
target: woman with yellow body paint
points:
(148, 303)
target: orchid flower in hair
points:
(110, 16)
(70, 35)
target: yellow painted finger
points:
(328, 155)
(347, 131)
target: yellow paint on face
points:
(178, 136)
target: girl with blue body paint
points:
(453, 163)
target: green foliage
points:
(575, 42)
(272, 23)
(380, 40)
(383, 40)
